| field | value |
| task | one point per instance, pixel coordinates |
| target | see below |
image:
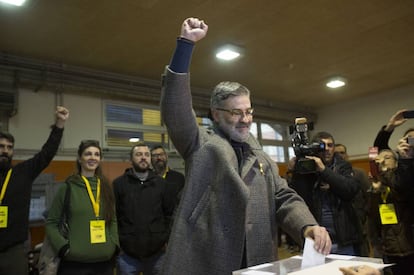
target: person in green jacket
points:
(92, 239)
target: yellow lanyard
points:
(165, 173)
(384, 194)
(5, 183)
(95, 204)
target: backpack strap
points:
(64, 216)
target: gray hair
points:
(226, 89)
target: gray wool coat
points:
(223, 209)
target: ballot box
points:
(293, 264)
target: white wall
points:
(36, 112)
(356, 123)
(85, 119)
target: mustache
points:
(4, 155)
(243, 124)
(5, 162)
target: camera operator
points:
(329, 192)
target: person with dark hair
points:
(360, 201)
(92, 240)
(159, 161)
(393, 187)
(144, 207)
(329, 193)
(391, 216)
(16, 186)
(234, 199)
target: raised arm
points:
(396, 120)
(62, 114)
(176, 101)
(193, 29)
(383, 136)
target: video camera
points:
(303, 147)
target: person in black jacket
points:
(405, 168)
(159, 161)
(391, 216)
(329, 192)
(144, 207)
(360, 200)
(398, 242)
(16, 186)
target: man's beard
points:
(139, 169)
(160, 166)
(5, 162)
(232, 132)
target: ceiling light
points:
(228, 52)
(336, 82)
(134, 139)
(14, 2)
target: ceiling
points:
(290, 47)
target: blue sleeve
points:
(180, 62)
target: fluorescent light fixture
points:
(228, 52)
(336, 82)
(14, 2)
(134, 139)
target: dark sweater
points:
(18, 193)
(144, 210)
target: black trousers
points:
(403, 265)
(14, 261)
(100, 268)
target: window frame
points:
(120, 126)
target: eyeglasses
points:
(155, 156)
(238, 112)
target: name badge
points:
(4, 214)
(97, 229)
(388, 214)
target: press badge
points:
(387, 213)
(4, 215)
(97, 228)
